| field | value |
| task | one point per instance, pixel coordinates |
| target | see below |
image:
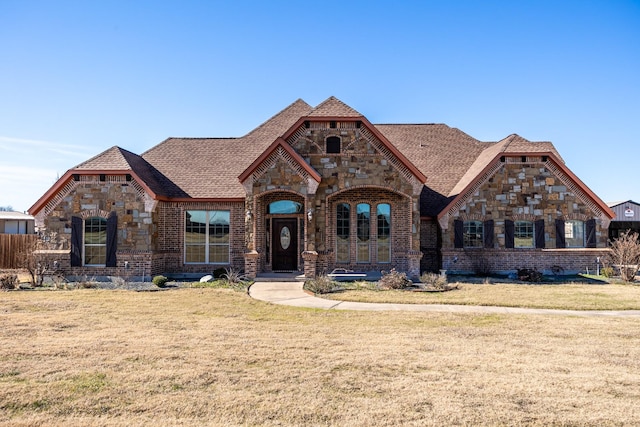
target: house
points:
(318, 188)
(627, 218)
(16, 223)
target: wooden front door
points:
(285, 244)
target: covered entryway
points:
(285, 244)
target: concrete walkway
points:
(292, 294)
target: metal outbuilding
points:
(627, 218)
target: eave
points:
(551, 157)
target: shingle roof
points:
(333, 107)
(208, 168)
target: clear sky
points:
(78, 77)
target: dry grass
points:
(216, 357)
(567, 297)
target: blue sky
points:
(78, 77)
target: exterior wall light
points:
(249, 215)
(310, 214)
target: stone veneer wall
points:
(361, 173)
(99, 195)
(523, 189)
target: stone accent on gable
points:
(524, 190)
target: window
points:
(284, 207)
(383, 213)
(95, 241)
(206, 237)
(342, 232)
(363, 212)
(523, 234)
(574, 234)
(473, 234)
(333, 144)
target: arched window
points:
(333, 144)
(343, 212)
(383, 213)
(95, 241)
(363, 218)
(574, 233)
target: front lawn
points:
(568, 296)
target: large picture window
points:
(95, 241)
(206, 237)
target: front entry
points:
(285, 244)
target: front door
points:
(285, 244)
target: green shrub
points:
(9, 281)
(322, 284)
(219, 273)
(394, 280)
(607, 272)
(160, 281)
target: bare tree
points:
(625, 254)
(34, 260)
(7, 208)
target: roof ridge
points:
(297, 102)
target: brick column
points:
(414, 264)
(251, 264)
(310, 258)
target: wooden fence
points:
(11, 245)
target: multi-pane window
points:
(342, 232)
(95, 241)
(523, 234)
(383, 212)
(206, 237)
(363, 222)
(574, 234)
(473, 234)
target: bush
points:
(394, 280)
(219, 273)
(435, 281)
(160, 281)
(236, 279)
(9, 282)
(322, 284)
(529, 275)
(625, 254)
(607, 272)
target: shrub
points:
(529, 275)
(394, 280)
(322, 284)
(8, 281)
(160, 281)
(236, 279)
(219, 273)
(607, 272)
(433, 280)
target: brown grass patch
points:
(566, 297)
(216, 357)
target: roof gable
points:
(333, 107)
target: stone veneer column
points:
(251, 264)
(414, 258)
(310, 258)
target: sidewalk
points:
(292, 294)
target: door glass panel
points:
(285, 237)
